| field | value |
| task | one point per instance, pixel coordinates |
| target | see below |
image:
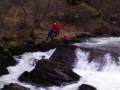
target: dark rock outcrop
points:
(31, 47)
(14, 87)
(86, 87)
(65, 55)
(48, 73)
(6, 60)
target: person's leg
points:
(51, 37)
(55, 34)
(58, 32)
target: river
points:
(103, 76)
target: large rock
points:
(65, 55)
(6, 60)
(48, 73)
(14, 87)
(86, 87)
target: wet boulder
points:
(6, 60)
(14, 87)
(65, 55)
(86, 87)
(49, 73)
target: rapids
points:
(26, 62)
(102, 76)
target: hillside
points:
(21, 20)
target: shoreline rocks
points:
(86, 87)
(14, 86)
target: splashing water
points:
(26, 62)
(106, 79)
(102, 76)
(93, 42)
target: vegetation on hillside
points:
(21, 20)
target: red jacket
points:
(56, 27)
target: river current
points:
(102, 76)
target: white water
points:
(108, 78)
(26, 62)
(92, 42)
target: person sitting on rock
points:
(66, 39)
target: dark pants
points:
(50, 35)
(56, 33)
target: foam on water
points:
(106, 79)
(26, 62)
(103, 77)
(92, 42)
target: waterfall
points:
(101, 76)
(105, 79)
